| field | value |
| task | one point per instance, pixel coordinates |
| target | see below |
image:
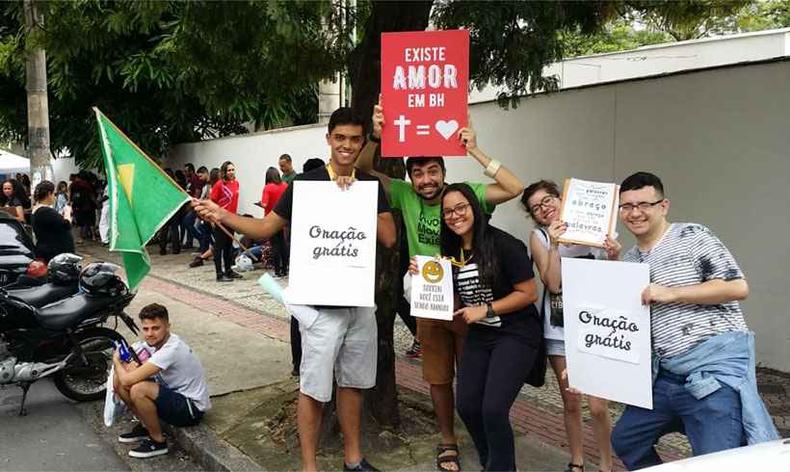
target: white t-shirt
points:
(181, 371)
(553, 323)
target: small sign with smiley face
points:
(431, 290)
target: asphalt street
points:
(53, 435)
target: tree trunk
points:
(37, 103)
(365, 75)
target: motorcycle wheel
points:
(89, 382)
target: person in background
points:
(225, 193)
(83, 204)
(61, 197)
(53, 231)
(194, 186)
(171, 231)
(287, 168)
(494, 282)
(542, 201)
(14, 199)
(203, 229)
(24, 180)
(272, 192)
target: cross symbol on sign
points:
(401, 123)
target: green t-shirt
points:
(288, 178)
(423, 221)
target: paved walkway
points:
(537, 412)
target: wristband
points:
(492, 168)
(373, 138)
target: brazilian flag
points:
(142, 198)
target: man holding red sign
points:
(420, 204)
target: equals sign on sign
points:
(423, 130)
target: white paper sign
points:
(432, 289)
(589, 210)
(607, 330)
(333, 244)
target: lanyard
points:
(333, 175)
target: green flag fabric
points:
(142, 198)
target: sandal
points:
(574, 467)
(443, 460)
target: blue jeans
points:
(711, 424)
(188, 228)
(203, 232)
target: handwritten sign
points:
(333, 244)
(589, 210)
(432, 289)
(607, 330)
(424, 88)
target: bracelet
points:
(492, 168)
(373, 138)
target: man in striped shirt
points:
(694, 292)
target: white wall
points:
(720, 140)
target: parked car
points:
(17, 257)
(773, 455)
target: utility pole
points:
(37, 101)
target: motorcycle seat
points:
(43, 294)
(64, 314)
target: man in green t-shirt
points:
(420, 203)
(287, 168)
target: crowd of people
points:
(503, 322)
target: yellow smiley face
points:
(432, 272)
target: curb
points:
(211, 452)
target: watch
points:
(490, 313)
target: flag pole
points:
(144, 154)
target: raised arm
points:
(385, 230)
(547, 261)
(507, 186)
(367, 156)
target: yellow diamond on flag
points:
(126, 179)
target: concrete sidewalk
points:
(241, 335)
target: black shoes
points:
(224, 278)
(137, 434)
(234, 275)
(149, 448)
(196, 262)
(363, 466)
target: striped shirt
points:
(473, 293)
(689, 254)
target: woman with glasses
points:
(542, 201)
(225, 193)
(495, 285)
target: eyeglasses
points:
(341, 138)
(544, 202)
(643, 206)
(458, 210)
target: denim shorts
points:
(339, 341)
(176, 409)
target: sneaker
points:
(415, 350)
(149, 448)
(196, 262)
(224, 278)
(137, 434)
(363, 466)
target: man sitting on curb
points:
(177, 394)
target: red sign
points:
(424, 92)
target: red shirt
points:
(226, 194)
(271, 195)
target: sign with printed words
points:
(432, 289)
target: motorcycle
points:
(49, 331)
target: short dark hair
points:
(312, 163)
(286, 157)
(533, 188)
(153, 311)
(189, 166)
(642, 180)
(423, 160)
(202, 170)
(345, 116)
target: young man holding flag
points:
(339, 339)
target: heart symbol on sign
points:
(446, 128)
